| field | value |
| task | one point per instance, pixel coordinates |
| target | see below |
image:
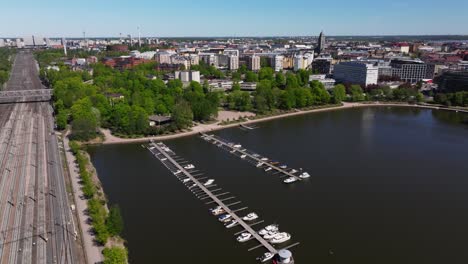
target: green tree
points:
(356, 93)
(114, 221)
(182, 115)
(251, 77)
(85, 121)
(280, 80)
(339, 93)
(266, 73)
(291, 81)
(115, 255)
(319, 93)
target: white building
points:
(233, 63)
(302, 62)
(278, 63)
(248, 86)
(299, 63)
(322, 78)
(220, 85)
(355, 72)
(187, 76)
(164, 57)
(254, 63)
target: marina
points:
(387, 221)
(270, 166)
(225, 213)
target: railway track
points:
(35, 214)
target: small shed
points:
(159, 120)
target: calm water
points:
(388, 185)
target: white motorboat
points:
(187, 180)
(293, 171)
(194, 185)
(209, 182)
(280, 238)
(244, 237)
(305, 175)
(268, 169)
(260, 164)
(177, 172)
(267, 229)
(265, 257)
(237, 146)
(270, 234)
(283, 166)
(218, 211)
(216, 208)
(243, 156)
(231, 224)
(290, 180)
(250, 217)
(163, 159)
(264, 159)
(224, 218)
(189, 167)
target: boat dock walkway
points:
(251, 156)
(203, 191)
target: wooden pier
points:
(167, 157)
(249, 156)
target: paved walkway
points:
(111, 139)
(93, 252)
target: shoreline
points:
(111, 139)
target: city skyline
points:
(210, 18)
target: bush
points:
(115, 255)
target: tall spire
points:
(320, 43)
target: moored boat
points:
(250, 217)
(224, 217)
(265, 257)
(244, 237)
(280, 238)
(290, 180)
(231, 224)
(267, 229)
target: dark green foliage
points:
(182, 114)
(5, 64)
(114, 221)
(452, 99)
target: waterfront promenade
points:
(204, 128)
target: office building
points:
(412, 71)
(356, 72)
(322, 65)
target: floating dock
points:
(208, 193)
(252, 157)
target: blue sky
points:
(175, 18)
